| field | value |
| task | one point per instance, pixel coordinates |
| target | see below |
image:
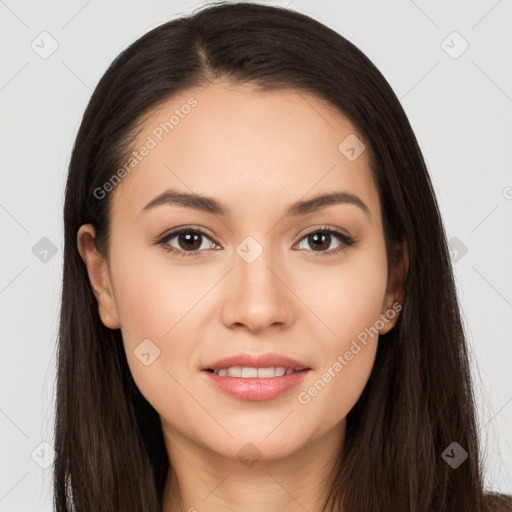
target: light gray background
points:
(460, 109)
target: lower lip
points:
(256, 388)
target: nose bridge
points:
(257, 295)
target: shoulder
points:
(495, 502)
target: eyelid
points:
(169, 235)
(180, 229)
(346, 240)
(323, 227)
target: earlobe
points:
(395, 294)
(389, 318)
(97, 270)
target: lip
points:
(256, 361)
(256, 389)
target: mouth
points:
(255, 377)
(248, 372)
(251, 366)
(255, 384)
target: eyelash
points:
(345, 241)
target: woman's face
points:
(263, 278)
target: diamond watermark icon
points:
(43, 455)
(454, 45)
(457, 249)
(249, 455)
(44, 45)
(454, 455)
(249, 249)
(352, 147)
(146, 352)
(44, 250)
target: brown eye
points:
(189, 242)
(319, 241)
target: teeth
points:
(235, 371)
(248, 373)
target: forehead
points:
(245, 146)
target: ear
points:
(99, 276)
(395, 293)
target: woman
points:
(258, 309)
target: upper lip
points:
(257, 361)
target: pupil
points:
(191, 240)
(188, 240)
(325, 236)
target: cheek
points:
(156, 301)
(348, 297)
(349, 301)
(154, 295)
(333, 389)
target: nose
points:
(257, 295)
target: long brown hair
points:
(419, 398)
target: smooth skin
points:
(257, 153)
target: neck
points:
(206, 481)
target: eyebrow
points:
(213, 206)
